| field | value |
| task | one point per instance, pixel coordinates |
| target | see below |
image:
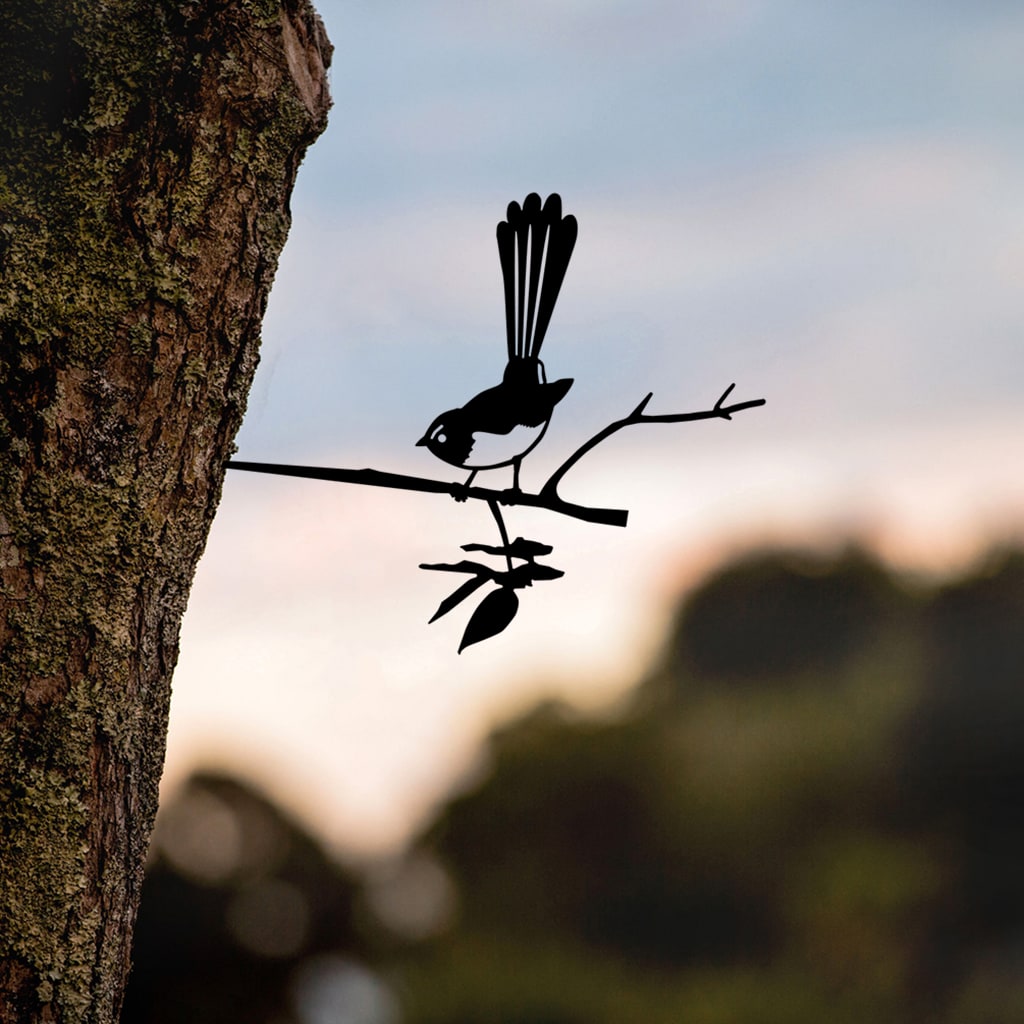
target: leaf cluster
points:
(500, 605)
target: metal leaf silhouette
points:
(458, 595)
(519, 548)
(492, 615)
(525, 575)
(544, 572)
(484, 571)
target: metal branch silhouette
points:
(501, 425)
(547, 497)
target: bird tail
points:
(534, 245)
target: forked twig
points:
(720, 411)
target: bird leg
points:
(511, 493)
(460, 492)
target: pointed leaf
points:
(478, 568)
(524, 575)
(519, 548)
(492, 615)
(487, 549)
(458, 596)
(544, 572)
(528, 549)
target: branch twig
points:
(720, 411)
(499, 519)
(377, 478)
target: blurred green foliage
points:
(809, 810)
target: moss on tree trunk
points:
(147, 152)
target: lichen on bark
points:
(147, 154)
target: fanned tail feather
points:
(534, 246)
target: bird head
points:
(448, 439)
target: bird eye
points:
(440, 437)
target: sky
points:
(820, 203)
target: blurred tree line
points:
(809, 810)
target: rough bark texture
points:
(147, 152)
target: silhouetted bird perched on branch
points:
(501, 425)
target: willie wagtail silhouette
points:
(501, 425)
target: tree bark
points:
(147, 153)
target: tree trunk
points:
(147, 152)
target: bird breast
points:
(492, 450)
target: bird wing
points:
(535, 244)
(535, 407)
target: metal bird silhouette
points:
(500, 426)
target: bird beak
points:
(423, 440)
